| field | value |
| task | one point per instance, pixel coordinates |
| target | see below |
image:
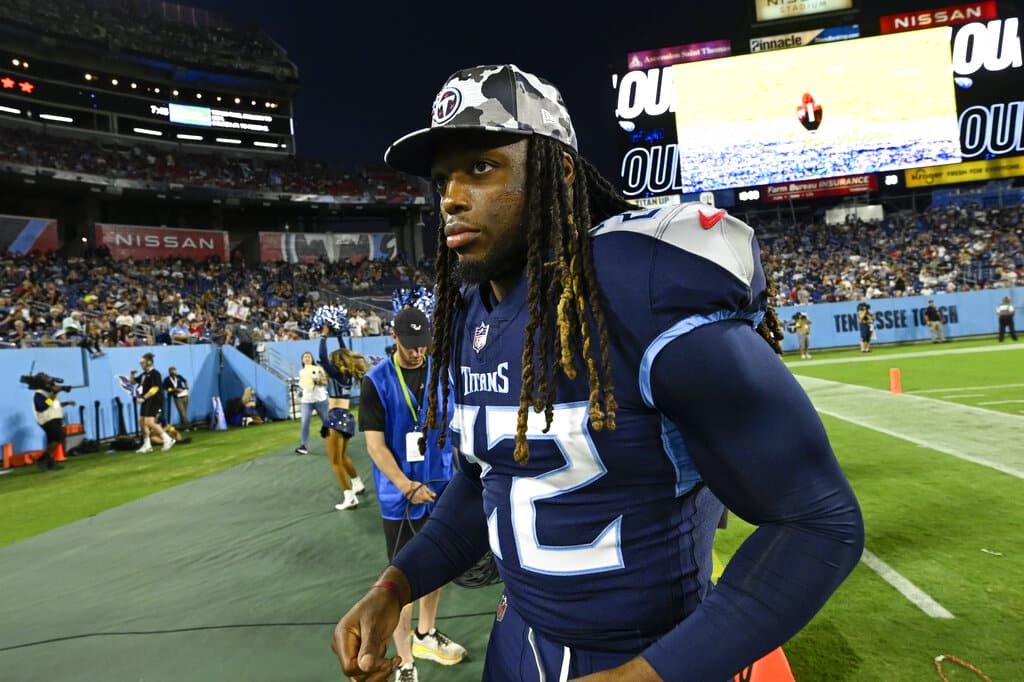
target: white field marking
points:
(964, 395)
(1000, 402)
(973, 434)
(893, 357)
(908, 589)
(965, 388)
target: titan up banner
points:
(645, 106)
(25, 234)
(149, 243)
(988, 71)
(308, 247)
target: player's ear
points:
(568, 169)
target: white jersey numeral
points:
(582, 467)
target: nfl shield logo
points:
(480, 337)
(502, 605)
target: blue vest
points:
(437, 463)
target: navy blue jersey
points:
(603, 538)
(339, 383)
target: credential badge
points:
(480, 337)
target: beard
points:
(504, 262)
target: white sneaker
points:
(146, 447)
(168, 444)
(357, 485)
(438, 647)
(350, 502)
(407, 673)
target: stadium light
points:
(85, 240)
(88, 76)
(199, 95)
(10, 110)
(59, 119)
(229, 140)
(219, 98)
(258, 143)
(16, 62)
(174, 92)
(134, 85)
(253, 103)
(156, 90)
(113, 81)
(238, 100)
(148, 131)
(891, 180)
(186, 136)
(24, 65)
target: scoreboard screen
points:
(837, 109)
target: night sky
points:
(369, 70)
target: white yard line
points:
(963, 395)
(895, 357)
(965, 388)
(1001, 402)
(908, 589)
(974, 434)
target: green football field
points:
(222, 560)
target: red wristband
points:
(391, 587)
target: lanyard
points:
(409, 399)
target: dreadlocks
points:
(573, 333)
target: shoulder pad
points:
(694, 227)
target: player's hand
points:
(362, 636)
(325, 330)
(419, 493)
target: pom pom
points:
(334, 316)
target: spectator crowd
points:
(98, 302)
(908, 253)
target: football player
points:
(615, 380)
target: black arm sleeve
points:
(759, 445)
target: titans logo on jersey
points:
(594, 514)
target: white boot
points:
(357, 485)
(146, 446)
(168, 443)
(350, 501)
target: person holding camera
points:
(150, 402)
(49, 415)
(866, 323)
(313, 384)
(802, 323)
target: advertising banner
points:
(772, 10)
(815, 36)
(810, 189)
(943, 16)
(680, 54)
(645, 106)
(24, 234)
(148, 243)
(971, 171)
(899, 320)
(308, 247)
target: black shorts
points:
(54, 431)
(398, 533)
(151, 407)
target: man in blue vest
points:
(391, 411)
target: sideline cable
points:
(964, 664)
(201, 628)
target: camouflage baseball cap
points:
(500, 99)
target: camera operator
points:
(151, 402)
(49, 415)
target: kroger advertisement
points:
(970, 313)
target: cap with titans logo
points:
(497, 99)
